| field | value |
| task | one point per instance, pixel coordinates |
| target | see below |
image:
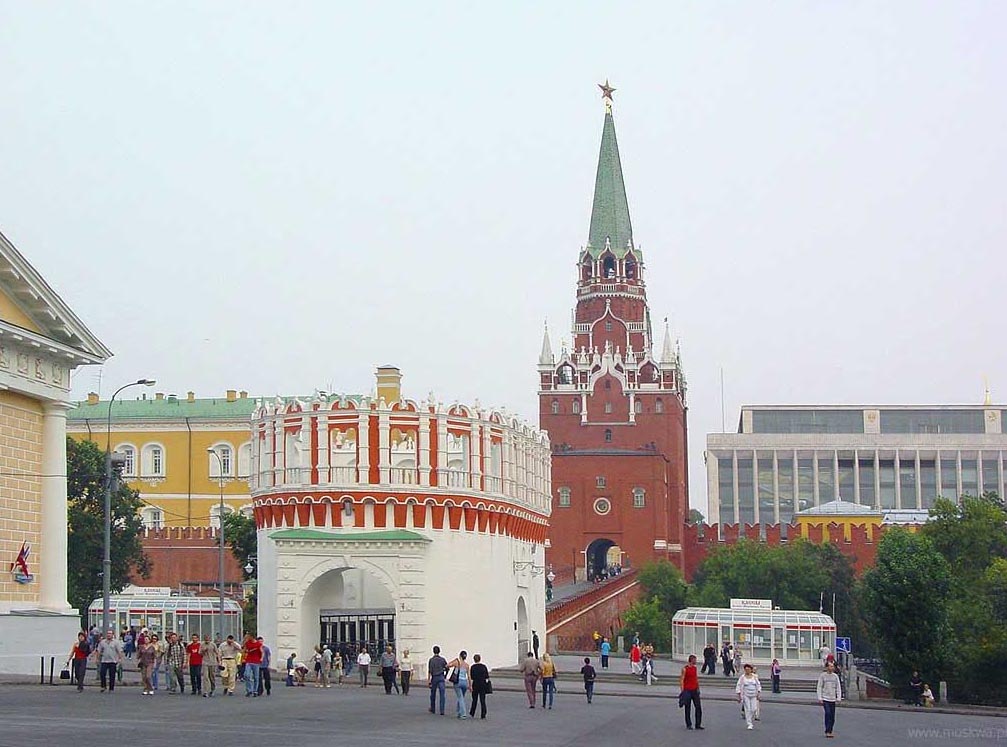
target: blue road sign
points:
(843, 645)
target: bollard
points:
(942, 691)
(41, 670)
(52, 663)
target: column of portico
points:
(306, 456)
(279, 452)
(476, 468)
(776, 487)
(384, 446)
(423, 444)
(364, 447)
(442, 448)
(856, 476)
(898, 480)
(52, 558)
(919, 482)
(324, 451)
(487, 450)
(755, 486)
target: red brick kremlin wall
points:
(186, 554)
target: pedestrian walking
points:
(459, 678)
(635, 656)
(146, 659)
(364, 665)
(211, 665)
(774, 672)
(78, 659)
(109, 656)
(530, 670)
(326, 660)
(481, 687)
(589, 675)
(688, 698)
(161, 647)
(175, 658)
(829, 691)
(749, 691)
(337, 665)
(548, 680)
(709, 660)
(437, 669)
(736, 667)
(405, 670)
(265, 676)
(916, 688)
(389, 663)
(251, 657)
(534, 643)
(229, 651)
(606, 650)
(194, 661)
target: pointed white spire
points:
(668, 350)
(546, 357)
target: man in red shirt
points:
(252, 659)
(195, 661)
(689, 697)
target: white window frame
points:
(563, 498)
(226, 452)
(244, 460)
(215, 514)
(152, 517)
(129, 453)
(639, 498)
(147, 466)
(600, 482)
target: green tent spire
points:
(610, 211)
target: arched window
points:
(248, 511)
(608, 408)
(639, 498)
(638, 406)
(152, 517)
(608, 435)
(152, 461)
(566, 374)
(659, 405)
(608, 267)
(215, 515)
(245, 459)
(225, 466)
(585, 270)
(630, 269)
(575, 406)
(128, 453)
(555, 407)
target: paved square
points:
(60, 717)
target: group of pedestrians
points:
(463, 678)
(202, 661)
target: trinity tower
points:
(615, 412)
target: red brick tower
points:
(616, 415)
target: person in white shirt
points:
(830, 692)
(749, 690)
(364, 665)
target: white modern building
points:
(385, 520)
(896, 459)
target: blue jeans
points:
(460, 689)
(153, 678)
(251, 679)
(548, 690)
(437, 686)
(830, 715)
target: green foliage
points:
(663, 581)
(906, 603)
(653, 624)
(85, 526)
(696, 516)
(249, 614)
(796, 576)
(968, 534)
(240, 534)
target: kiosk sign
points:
(762, 605)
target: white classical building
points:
(383, 520)
(41, 342)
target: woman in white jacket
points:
(749, 690)
(830, 692)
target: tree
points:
(663, 581)
(906, 604)
(696, 516)
(648, 618)
(240, 534)
(86, 526)
(969, 533)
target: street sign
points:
(843, 645)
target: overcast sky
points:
(279, 196)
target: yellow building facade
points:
(164, 439)
(41, 342)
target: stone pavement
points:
(33, 716)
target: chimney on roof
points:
(190, 396)
(232, 395)
(243, 394)
(93, 398)
(159, 395)
(389, 384)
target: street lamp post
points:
(220, 533)
(106, 563)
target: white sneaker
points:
(750, 726)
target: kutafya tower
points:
(615, 413)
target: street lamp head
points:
(249, 568)
(146, 382)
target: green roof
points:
(393, 535)
(610, 211)
(166, 409)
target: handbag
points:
(453, 679)
(64, 673)
(488, 689)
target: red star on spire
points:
(606, 90)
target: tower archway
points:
(599, 557)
